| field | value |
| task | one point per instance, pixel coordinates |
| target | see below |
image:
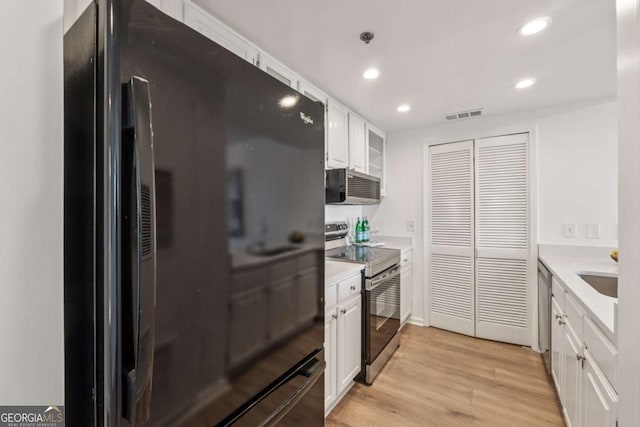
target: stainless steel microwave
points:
(348, 187)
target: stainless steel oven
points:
(381, 320)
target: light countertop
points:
(395, 242)
(334, 271)
(565, 263)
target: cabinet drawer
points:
(604, 352)
(349, 287)
(557, 290)
(575, 315)
(331, 295)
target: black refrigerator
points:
(194, 220)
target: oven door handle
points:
(371, 284)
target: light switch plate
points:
(411, 225)
(569, 230)
(593, 231)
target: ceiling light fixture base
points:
(367, 36)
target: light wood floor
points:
(438, 378)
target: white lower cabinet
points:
(557, 340)
(406, 284)
(349, 341)
(330, 341)
(572, 375)
(587, 396)
(342, 341)
(600, 402)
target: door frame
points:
(628, 36)
(532, 260)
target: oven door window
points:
(384, 314)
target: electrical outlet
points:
(569, 230)
(593, 231)
(411, 225)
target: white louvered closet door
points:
(502, 238)
(451, 272)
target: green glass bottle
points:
(359, 231)
(365, 230)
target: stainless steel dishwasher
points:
(544, 314)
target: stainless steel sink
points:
(606, 285)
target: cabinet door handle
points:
(558, 316)
(353, 287)
(334, 316)
(343, 311)
(562, 322)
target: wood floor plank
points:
(439, 378)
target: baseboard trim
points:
(418, 321)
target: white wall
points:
(31, 302)
(577, 169)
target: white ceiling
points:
(440, 56)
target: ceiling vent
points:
(464, 114)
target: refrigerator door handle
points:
(139, 253)
(313, 371)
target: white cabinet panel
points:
(602, 350)
(337, 135)
(357, 144)
(312, 92)
(279, 71)
(572, 374)
(375, 157)
(406, 280)
(557, 340)
(406, 285)
(349, 341)
(212, 28)
(330, 354)
(599, 401)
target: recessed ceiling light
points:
(288, 101)
(535, 26)
(404, 108)
(371, 73)
(523, 84)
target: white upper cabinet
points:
(357, 144)
(312, 92)
(337, 135)
(173, 8)
(279, 71)
(212, 28)
(375, 154)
